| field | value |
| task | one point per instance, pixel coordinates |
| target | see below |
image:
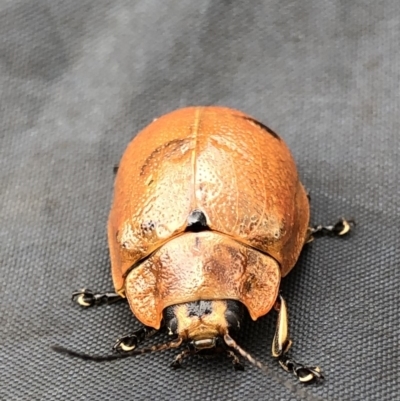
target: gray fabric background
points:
(80, 78)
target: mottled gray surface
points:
(80, 78)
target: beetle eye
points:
(232, 319)
(172, 326)
(234, 314)
(171, 322)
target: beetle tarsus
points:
(177, 362)
(237, 365)
(305, 374)
(340, 228)
(130, 341)
(126, 343)
(87, 298)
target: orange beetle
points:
(208, 215)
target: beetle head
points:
(201, 323)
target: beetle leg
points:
(86, 297)
(237, 365)
(281, 345)
(341, 227)
(281, 342)
(130, 341)
(177, 362)
(305, 374)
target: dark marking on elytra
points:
(248, 285)
(148, 226)
(262, 126)
(168, 150)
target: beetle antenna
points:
(230, 342)
(300, 391)
(104, 358)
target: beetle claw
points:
(176, 364)
(130, 341)
(305, 374)
(340, 228)
(126, 344)
(308, 374)
(84, 297)
(238, 366)
(87, 298)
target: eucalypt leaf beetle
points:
(208, 215)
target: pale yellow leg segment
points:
(281, 342)
(281, 345)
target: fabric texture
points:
(80, 78)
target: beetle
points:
(208, 215)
